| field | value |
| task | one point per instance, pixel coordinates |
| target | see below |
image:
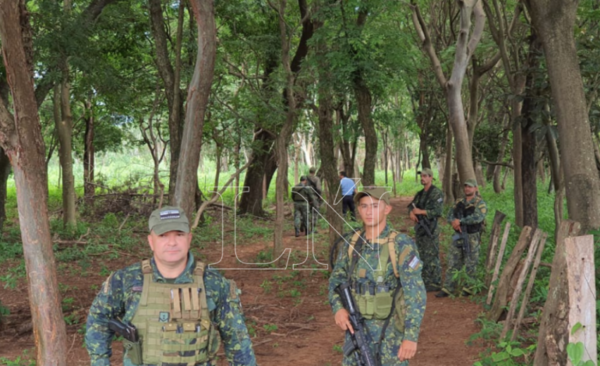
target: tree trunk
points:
(528, 138)
(449, 196)
(364, 100)
(23, 143)
(498, 168)
(517, 156)
(88, 155)
(251, 201)
(554, 21)
(171, 81)
(197, 101)
(64, 127)
(4, 173)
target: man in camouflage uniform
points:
(198, 305)
(424, 210)
(393, 325)
(315, 183)
(304, 199)
(472, 210)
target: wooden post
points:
(582, 294)
(519, 287)
(498, 263)
(501, 299)
(498, 218)
(554, 333)
(536, 264)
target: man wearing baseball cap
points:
(468, 214)
(424, 210)
(384, 270)
(170, 309)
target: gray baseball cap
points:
(471, 182)
(168, 218)
(379, 193)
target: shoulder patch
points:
(440, 200)
(233, 290)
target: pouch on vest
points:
(400, 312)
(134, 351)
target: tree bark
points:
(364, 100)
(528, 135)
(554, 21)
(447, 179)
(88, 155)
(23, 143)
(252, 197)
(4, 173)
(498, 168)
(197, 102)
(65, 136)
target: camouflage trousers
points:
(314, 213)
(302, 219)
(390, 344)
(457, 259)
(429, 252)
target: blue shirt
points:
(347, 185)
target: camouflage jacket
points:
(477, 217)
(120, 295)
(432, 202)
(410, 277)
(306, 194)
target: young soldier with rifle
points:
(424, 210)
(375, 290)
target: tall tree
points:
(465, 47)
(554, 21)
(20, 136)
(197, 102)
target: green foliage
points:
(23, 360)
(509, 354)
(270, 328)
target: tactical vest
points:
(173, 321)
(468, 211)
(298, 194)
(375, 299)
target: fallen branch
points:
(216, 196)
(123, 223)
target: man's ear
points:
(150, 242)
(388, 209)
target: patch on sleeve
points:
(233, 290)
(414, 262)
(440, 200)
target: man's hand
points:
(418, 211)
(456, 225)
(413, 216)
(342, 319)
(407, 350)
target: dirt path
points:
(286, 310)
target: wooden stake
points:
(509, 268)
(536, 263)
(498, 218)
(498, 263)
(582, 294)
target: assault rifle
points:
(421, 221)
(361, 337)
(459, 214)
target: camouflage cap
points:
(167, 219)
(379, 193)
(426, 171)
(303, 178)
(312, 170)
(471, 182)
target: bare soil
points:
(288, 315)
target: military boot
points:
(297, 233)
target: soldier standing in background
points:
(304, 199)
(424, 210)
(467, 214)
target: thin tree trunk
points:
(88, 155)
(498, 168)
(197, 102)
(364, 100)
(21, 138)
(4, 173)
(447, 179)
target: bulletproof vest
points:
(375, 299)
(299, 194)
(468, 211)
(173, 321)
(313, 185)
